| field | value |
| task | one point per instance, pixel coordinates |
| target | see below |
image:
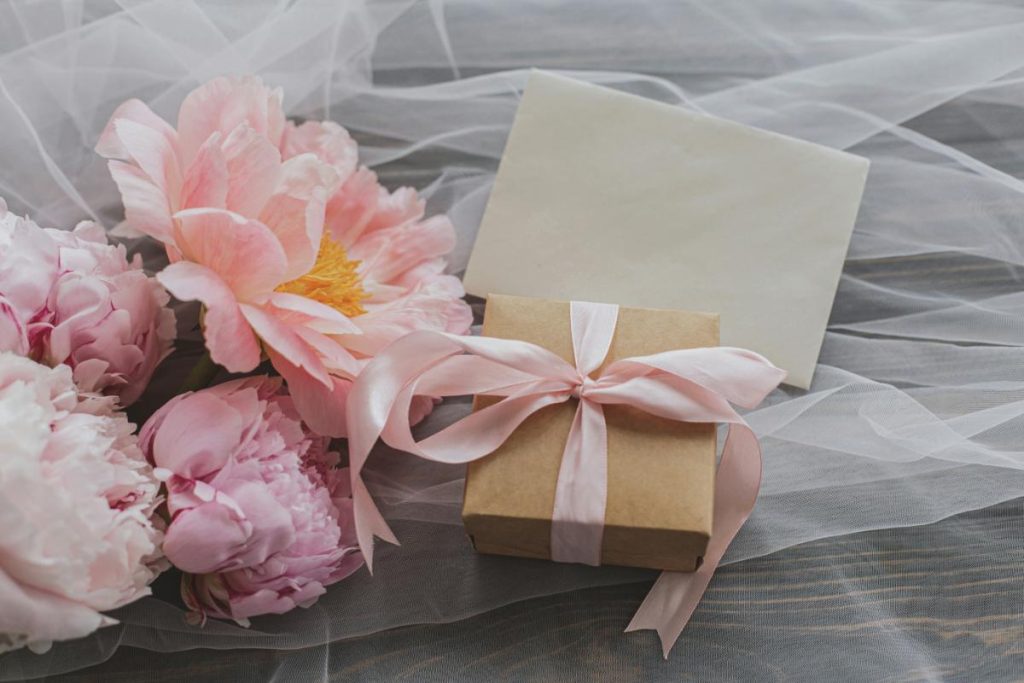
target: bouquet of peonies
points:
(297, 256)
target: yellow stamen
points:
(333, 280)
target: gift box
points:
(661, 472)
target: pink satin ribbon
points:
(690, 385)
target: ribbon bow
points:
(691, 385)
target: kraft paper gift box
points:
(660, 472)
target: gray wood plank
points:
(916, 581)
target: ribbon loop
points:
(693, 385)
(593, 326)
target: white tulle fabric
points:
(917, 409)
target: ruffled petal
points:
(80, 304)
(311, 313)
(244, 253)
(206, 181)
(321, 408)
(254, 170)
(146, 209)
(271, 523)
(327, 140)
(196, 437)
(350, 209)
(387, 254)
(229, 338)
(41, 617)
(279, 336)
(205, 538)
(295, 212)
(396, 208)
(29, 267)
(222, 105)
(335, 357)
(432, 307)
(155, 154)
(13, 335)
(110, 145)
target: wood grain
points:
(848, 596)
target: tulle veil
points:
(916, 413)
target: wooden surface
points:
(915, 577)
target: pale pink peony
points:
(76, 499)
(239, 197)
(261, 517)
(73, 298)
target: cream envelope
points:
(604, 196)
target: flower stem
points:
(201, 375)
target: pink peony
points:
(72, 298)
(261, 517)
(76, 499)
(241, 198)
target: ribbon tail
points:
(670, 603)
(369, 522)
(675, 595)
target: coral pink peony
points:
(76, 497)
(294, 250)
(72, 298)
(261, 517)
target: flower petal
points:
(79, 303)
(229, 338)
(433, 306)
(110, 145)
(204, 538)
(267, 601)
(243, 252)
(396, 208)
(155, 154)
(44, 615)
(197, 436)
(206, 181)
(314, 314)
(350, 209)
(327, 140)
(150, 183)
(254, 170)
(335, 357)
(272, 526)
(31, 263)
(279, 336)
(388, 254)
(13, 335)
(223, 104)
(295, 212)
(321, 408)
(145, 205)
